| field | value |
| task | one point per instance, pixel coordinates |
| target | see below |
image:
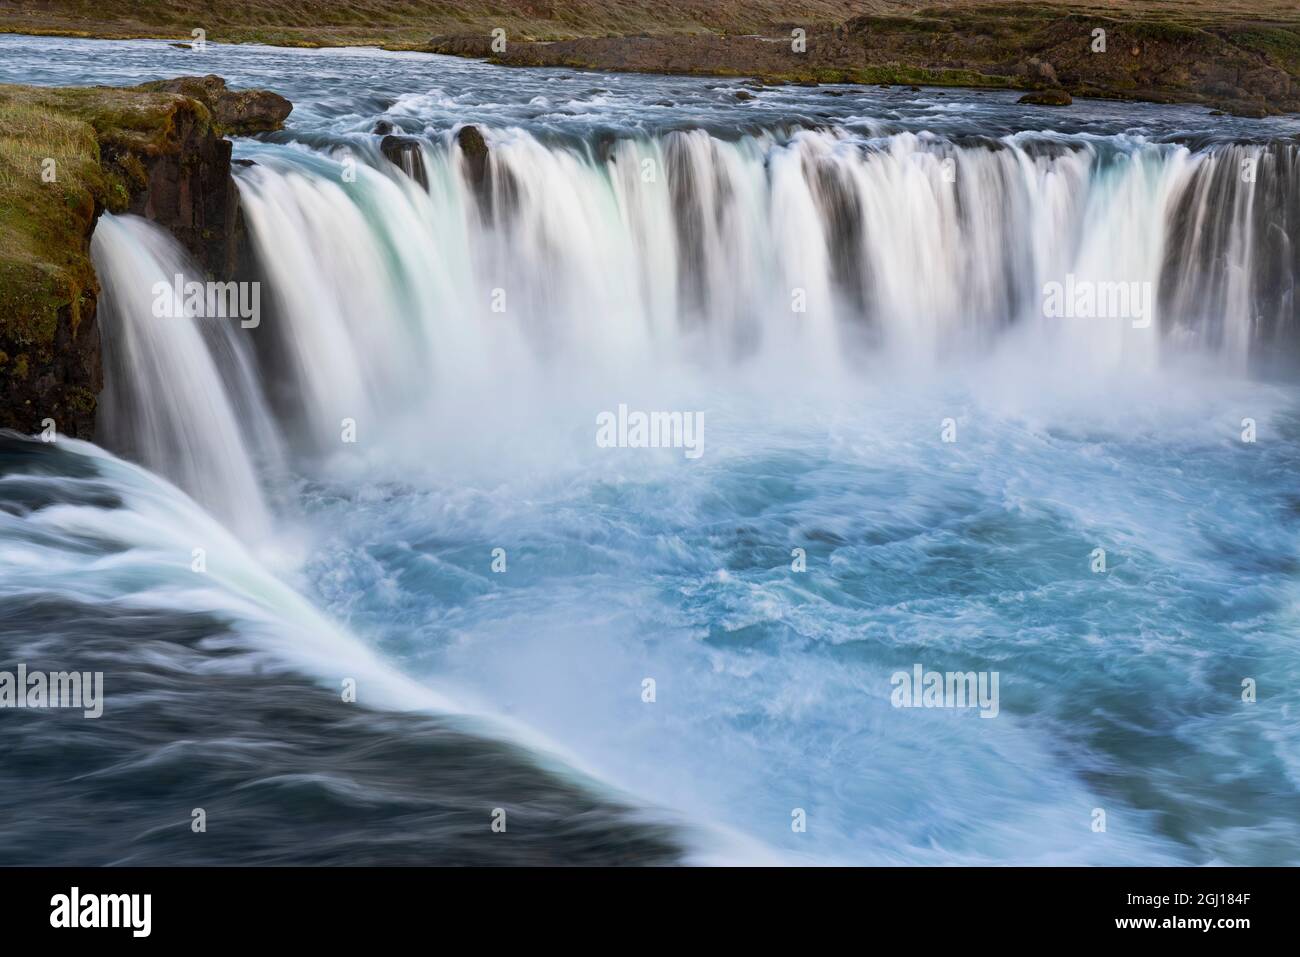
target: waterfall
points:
(636, 258)
(809, 246)
(1233, 261)
(936, 387)
(166, 401)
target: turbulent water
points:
(846, 286)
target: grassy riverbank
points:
(409, 24)
(1239, 55)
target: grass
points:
(411, 23)
(43, 224)
(65, 154)
(1279, 42)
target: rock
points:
(1038, 70)
(1057, 97)
(477, 44)
(1252, 110)
(404, 153)
(475, 150)
(234, 112)
(1224, 90)
(744, 95)
(495, 190)
(189, 191)
(153, 154)
(1268, 82)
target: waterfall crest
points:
(816, 242)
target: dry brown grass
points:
(38, 219)
(411, 23)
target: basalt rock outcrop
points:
(76, 153)
(404, 153)
(233, 112)
(495, 189)
(475, 151)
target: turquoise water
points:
(1119, 690)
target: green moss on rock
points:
(66, 155)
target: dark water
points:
(286, 772)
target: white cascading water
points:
(689, 248)
(166, 401)
(814, 254)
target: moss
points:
(1165, 30)
(1280, 44)
(65, 155)
(924, 22)
(49, 180)
(140, 121)
(79, 399)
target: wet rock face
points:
(189, 191)
(404, 153)
(188, 186)
(62, 385)
(234, 112)
(495, 190)
(475, 150)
